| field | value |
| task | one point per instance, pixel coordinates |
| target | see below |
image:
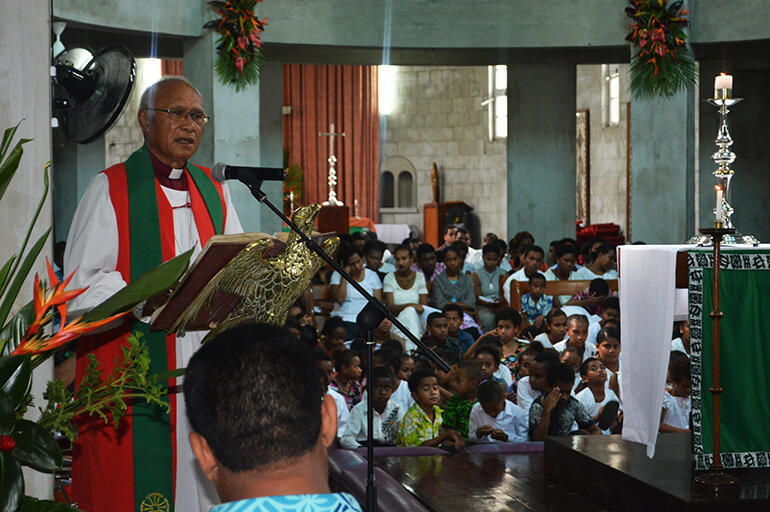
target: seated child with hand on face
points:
(422, 424)
(457, 411)
(530, 387)
(675, 416)
(535, 304)
(387, 413)
(494, 418)
(554, 412)
(597, 395)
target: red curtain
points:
(169, 67)
(347, 97)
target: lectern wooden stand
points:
(334, 219)
(433, 221)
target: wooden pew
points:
(554, 288)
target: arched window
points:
(405, 189)
(386, 190)
(398, 184)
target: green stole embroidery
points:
(152, 442)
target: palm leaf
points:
(7, 138)
(3, 286)
(5, 270)
(13, 291)
(157, 280)
(9, 166)
(13, 332)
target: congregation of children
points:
(542, 365)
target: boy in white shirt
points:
(531, 386)
(325, 365)
(387, 413)
(597, 395)
(493, 418)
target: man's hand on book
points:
(155, 302)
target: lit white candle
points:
(722, 82)
(719, 203)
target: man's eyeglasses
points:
(179, 115)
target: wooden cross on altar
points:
(332, 163)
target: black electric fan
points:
(91, 97)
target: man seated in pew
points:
(554, 412)
(427, 262)
(244, 411)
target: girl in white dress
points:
(406, 294)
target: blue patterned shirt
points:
(337, 502)
(534, 309)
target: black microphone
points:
(222, 172)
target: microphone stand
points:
(369, 318)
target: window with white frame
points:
(497, 102)
(611, 95)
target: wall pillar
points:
(541, 150)
(662, 169)
(245, 128)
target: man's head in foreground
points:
(261, 420)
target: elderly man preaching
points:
(134, 216)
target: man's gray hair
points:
(148, 96)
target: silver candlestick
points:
(723, 157)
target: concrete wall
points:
(418, 23)
(541, 150)
(438, 117)
(177, 17)
(607, 150)
(25, 94)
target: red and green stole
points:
(134, 467)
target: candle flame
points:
(722, 74)
(717, 187)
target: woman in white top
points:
(348, 302)
(406, 294)
(601, 265)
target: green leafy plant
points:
(27, 339)
(103, 396)
(239, 47)
(662, 64)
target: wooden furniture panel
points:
(519, 288)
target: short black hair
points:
(555, 312)
(331, 323)
(291, 323)
(374, 246)
(392, 345)
(559, 372)
(471, 369)
(270, 413)
(458, 247)
(491, 248)
(462, 229)
(537, 276)
(490, 392)
(565, 248)
(381, 373)
(448, 227)
(402, 247)
(451, 306)
(346, 251)
(532, 248)
(612, 303)
(509, 314)
(607, 332)
(417, 377)
(344, 358)
(530, 331)
(547, 357)
(389, 358)
(318, 354)
(433, 316)
(424, 249)
(599, 287)
(579, 318)
(679, 368)
(357, 236)
(584, 367)
(491, 350)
